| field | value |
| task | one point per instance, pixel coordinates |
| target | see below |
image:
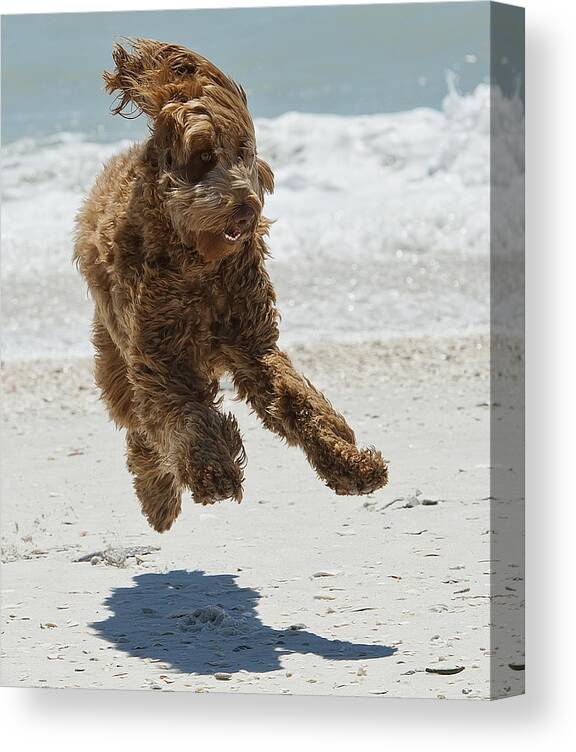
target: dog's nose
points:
(245, 216)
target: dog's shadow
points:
(204, 624)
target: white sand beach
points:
(382, 244)
(296, 590)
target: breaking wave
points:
(382, 225)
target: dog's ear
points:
(265, 176)
(151, 74)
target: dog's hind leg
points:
(156, 488)
(111, 377)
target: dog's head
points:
(210, 178)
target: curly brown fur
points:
(171, 243)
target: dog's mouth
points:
(237, 231)
(212, 245)
(240, 225)
(232, 234)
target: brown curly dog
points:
(171, 243)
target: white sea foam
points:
(382, 225)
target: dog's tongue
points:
(213, 247)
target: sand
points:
(295, 590)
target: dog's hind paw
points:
(212, 483)
(160, 500)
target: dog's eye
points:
(199, 165)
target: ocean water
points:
(345, 60)
(382, 227)
(382, 218)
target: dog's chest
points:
(210, 312)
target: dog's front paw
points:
(348, 470)
(212, 482)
